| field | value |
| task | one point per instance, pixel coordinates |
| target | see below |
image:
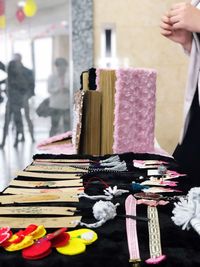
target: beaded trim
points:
(154, 237)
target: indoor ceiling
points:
(51, 18)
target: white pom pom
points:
(183, 213)
(187, 211)
(103, 211)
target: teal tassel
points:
(138, 187)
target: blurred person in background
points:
(58, 88)
(28, 80)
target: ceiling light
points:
(21, 3)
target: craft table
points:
(181, 247)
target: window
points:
(108, 47)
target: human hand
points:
(180, 36)
(185, 16)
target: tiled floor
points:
(13, 159)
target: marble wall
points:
(138, 39)
(82, 38)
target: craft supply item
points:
(172, 175)
(162, 170)
(8, 199)
(138, 187)
(102, 211)
(90, 138)
(106, 79)
(49, 222)
(39, 232)
(64, 164)
(32, 191)
(159, 189)
(85, 77)
(5, 234)
(157, 197)
(82, 161)
(39, 210)
(109, 194)
(77, 119)
(153, 172)
(87, 236)
(67, 183)
(144, 195)
(121, 166)
(78, 241)
(144, 164)
(60, 241)
(24, 243)
(135, 100)
(133, 217)
(52, 168)
(186, 211)
(74, 247)
(32, 230)
(153, 181)
(115, 158)
(151, 202)
(42, 247)
(131, 230)
(47, 175)
(156, 255)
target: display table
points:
(111, 249)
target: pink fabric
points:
(134, 110)
(55, 138)
(57, 148)
(156, 260)
(98, 79)
(131, 229)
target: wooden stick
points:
(37, 210)
(66, 183)
(54, 169)
(37, 198)
(48, 222)
(48, 175)
(83, 161)
(62, 164)
(31, 191)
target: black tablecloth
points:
(181, 247)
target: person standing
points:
(15, 91)
(29, 82)
(181, 24)
(58, 88)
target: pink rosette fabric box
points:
(58, 144)
(134, 120)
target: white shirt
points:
(58, 88)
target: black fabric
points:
(111, 249)
(92, 79)
(188, 153)
(44, 110)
